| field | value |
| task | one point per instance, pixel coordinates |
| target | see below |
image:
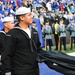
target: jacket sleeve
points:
(9, 47)
(68, 28)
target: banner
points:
(37, 20)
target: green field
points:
(68, 49)
(65, 51)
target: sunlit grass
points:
(64, 51)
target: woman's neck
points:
(23, 25)
(6, 30)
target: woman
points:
(19, 57)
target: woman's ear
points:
(21, 17)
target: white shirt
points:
(48, 5)
(28, 32)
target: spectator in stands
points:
(29, 4)
(42, 11)
(1, 10)
(72, 8)
(67, 8)
(49, 5)
(6, 13)
(35, 13)
(39, 1)
(10, 10)
(61, 7)
(12, 2)
(55, 6)
(19, 3)
(44, 4)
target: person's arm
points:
(68, 28)
(7, 54)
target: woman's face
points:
(47, 23)
(27, 18)
(61, 22)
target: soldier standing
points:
(62, 34)
(47, 30)
(71, 29)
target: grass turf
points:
(64, 51)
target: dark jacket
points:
(2, 37)
(19, 56)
